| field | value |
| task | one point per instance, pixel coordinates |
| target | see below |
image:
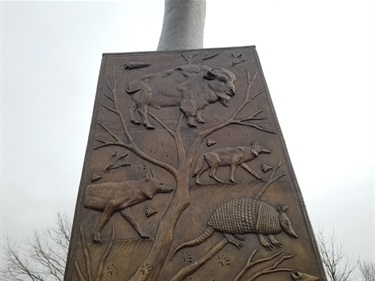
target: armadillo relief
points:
(187, 177)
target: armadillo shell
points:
(245, 215)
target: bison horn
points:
(222, 77)
(210, 75)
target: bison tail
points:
(199, 165)
(207, 233)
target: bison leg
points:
(127, 214)
(189, 109)
(143, 110)
(142, 97)
(191, 123)
(132, 109)
(197, 180)
(199, 116)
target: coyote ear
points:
(282, 209)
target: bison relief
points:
(191, 87)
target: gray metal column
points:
(183, 25)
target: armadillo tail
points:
(198, 165)
(200, 239)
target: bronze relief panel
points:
(187, 176)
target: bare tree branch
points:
(253, 126)
(86, 254)
(42, 257)
(188, 270)
(271, 269)
(109, 97)
(109, 108)
(99, 275)
(79, 272)
(270, 180)
(253, 116)
(367, 270)
(110, 133)
(173, 134)
(336, 263)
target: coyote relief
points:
(230, 156)
(112, 197)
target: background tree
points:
(367, 270)
(337, 264)
(42, 257)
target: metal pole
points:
(183, 25)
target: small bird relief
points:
(187, 177)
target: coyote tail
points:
(199, 165)
(197, 241)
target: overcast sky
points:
(318, 58)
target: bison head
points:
(221, 82)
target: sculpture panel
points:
(189, 213)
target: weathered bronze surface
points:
(187, 176)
